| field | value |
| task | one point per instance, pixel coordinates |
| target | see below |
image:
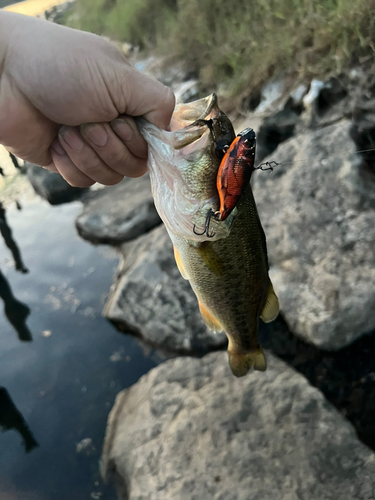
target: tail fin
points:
(240, 364)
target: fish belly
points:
(230, 279)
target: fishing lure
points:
(235, 171)
(233, 176)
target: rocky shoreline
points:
(190, 430)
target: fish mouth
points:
(183, 164)
(188, 114)
(205, 115)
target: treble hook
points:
(207, 226)
(269, 164)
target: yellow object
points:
(33, 7)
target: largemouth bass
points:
(225, 263)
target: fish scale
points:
(227, 267)
(235, 297)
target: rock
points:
(318, 216)
(274, 130)
(185, 91)
(151, 299)
(86, 447)
(51, 186)
(326, 103)
(297, 95)
(118, 213)
(273, 95)
(330, 94)
(190, 430)
(313, 93)
(362, 131)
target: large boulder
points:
(151, 299)
(118, 213)
(190, 430)
(51, 186)
(318, 213)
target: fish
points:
(227, 265)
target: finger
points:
(112, 151)
(51, 167)
(85, 158)
(66, 168)
(149, 97)
(126, 128)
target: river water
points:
(58, 388)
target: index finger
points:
(149, 98)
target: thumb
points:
(149, 98)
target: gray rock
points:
(151, 299)
(313, 93)
(118, 213)
(189, 430)
(274, 130)
(273, 95)
(297, 94)
(51, 186)
(318, 216)
(185, 91)
(327, 102)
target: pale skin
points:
(67, 99)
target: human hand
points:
(67, 98)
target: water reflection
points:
(11, 418)
(6, 233)
(15, 311)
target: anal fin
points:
(210, 321)
(271, 309)
(179, 263)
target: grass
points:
(239, 44)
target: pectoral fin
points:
(179, 263)
(211, 259)
(271, 309)
(210, 321)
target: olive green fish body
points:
(225, 261)
(230, 279)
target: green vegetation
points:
(240, 43)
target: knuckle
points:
(117, 157)
(90, 167)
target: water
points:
(58, 389)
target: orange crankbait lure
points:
(235, 171)
(233, 176)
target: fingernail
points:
(123, 129)
(57, 148)
(96, 134)
(72, 138)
